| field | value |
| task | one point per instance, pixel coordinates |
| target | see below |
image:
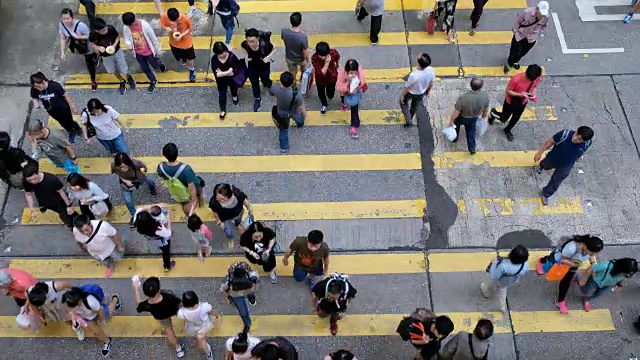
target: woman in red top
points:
(15, 283)
(325, 64)
(520, 90)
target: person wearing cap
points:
(15, 283)
(526, 30)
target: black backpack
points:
(264, 40)
(407, 323)
(242, 280)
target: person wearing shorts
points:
(179, 27)
(106, 37)
(100, 240)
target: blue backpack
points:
(92, 289)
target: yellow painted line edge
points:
(469, 261)
(553, 322)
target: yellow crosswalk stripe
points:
(263, 119)
(447, 262)
(257, 164)
(351, 325)
(180, 79)
(288, 6)
(306, 163)
(86, 268)
(340, 40)
(262, 325)
(389, 209)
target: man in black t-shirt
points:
(106, 42)
(330, 298)
(259, 50)
(277, 348)
(49, 191)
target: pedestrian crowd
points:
(85, 306)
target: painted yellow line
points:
(340, 40)
(85, 268)
(554, 322)
(391, 209)
(263, 119)
(471, 261)
(281, 163)
(528, 206)
(288, 6)
(262, 325)
(180, 79)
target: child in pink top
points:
(351, 85)
(201, 235)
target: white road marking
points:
(563, 42)
(587, 10)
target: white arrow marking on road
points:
(587, 10)
(563, 42)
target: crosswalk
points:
(370, 189)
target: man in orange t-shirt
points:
(15, 283)
(179, 28)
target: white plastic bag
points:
(304, 83)
(355, 82)
(99, 208)
(450, 133)
(481, 126)
(27, 320)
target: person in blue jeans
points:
(468, 108)
(289, 105)
(258, 50)
(227, 204)
(567, 147)
(604, 276)
(240, 286)
(228, 11)
(106, 122)
(54, 144)
(131, 174)
(311, 257)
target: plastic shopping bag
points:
(28, 319)
(450, 133)
(307, 81)
(557, 272)
(481, 126)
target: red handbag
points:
(431, 23)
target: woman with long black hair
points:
(89, 195)
(257, 242)
(604, 276)
(154, 222)
(131, 173)
(56, 101)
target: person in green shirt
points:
(600, 277)
(311, 256)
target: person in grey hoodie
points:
(465, 346)
(504, 272)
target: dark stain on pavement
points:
(530, 238)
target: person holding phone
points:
(521, 88)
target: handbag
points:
(353, 99)
(76, 46)
(91, 130)
(431, 23)
(99, 208)
(557, 272)
(481, 126)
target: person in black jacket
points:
(12, 161)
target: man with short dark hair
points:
(49, 191)
(12, 161)
(331, 297)
(100, 240)
(311, 256)
(419, 84)
(277, 348)
(296, 46)
(289, 105)
(179, 27)
(469, 107)
(567, 147)
(168, 169)
(142, 41)
(258, 51)
(428, 335)
(106, 42)
(466, 346)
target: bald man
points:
(469, 107)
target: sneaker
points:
(80, 334)
(163, 67)
(509, 135)
(284, 151)
(172, 264)
(222, 115)
(251, 298)
(94, 86)
(354, 132)
(586, 305)
(209, 356)
(273, 277)
(152, 86)
(118, 302)
(545, 200)
(131, 223)
(235, 100)
(562, 305)
(123, 87)
(180, 352)
(192, 75)
(131, 81)
(323, 111)
(106, 348)
(334, 328)
(506, 68)
(516, 66)
(108, 272)
(256, 105)
(374, 44)
(472, 32)
(627, 19)
(540, 269)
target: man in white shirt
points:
(419, 84)
(100, 240)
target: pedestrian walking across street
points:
(527, 28)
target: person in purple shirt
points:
(530, 23)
